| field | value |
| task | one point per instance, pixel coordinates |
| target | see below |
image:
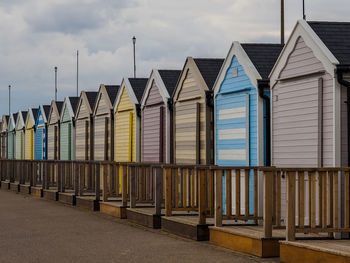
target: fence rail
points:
(302, 200)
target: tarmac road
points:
(36, 230)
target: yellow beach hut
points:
(127, 120)
(30, 133)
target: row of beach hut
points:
(264, 104)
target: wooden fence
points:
(325, 194)
(302, 200)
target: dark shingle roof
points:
(24, 115)
(59, 105)
(138, 85)
(74, 101)
(15, 117)
(35, 112)
(91, 96)
(263, 56)
(336, 36)
(47, 110)
(112, 91)
(209, 68)
(170, 78)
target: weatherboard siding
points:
(66, 136)
(53, 137)
(189, 107)
(236, 119)
(29, 142)
(4, 145)
(40, 152)
(82, 139)
(83, 133)
(154, 146)
(66, 141)
(125, 130)
(11, 141)
(295, 112)
(19, 144)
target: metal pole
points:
(77, 72)
(55, 83)
(304, 16)
(134, 43)
(282, 22)
(9, 100)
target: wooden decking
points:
(113, 207)
(250, 239)
(144, 215)
(187, 225)
(315, 251)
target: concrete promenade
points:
(36, 230)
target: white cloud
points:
(37, 35)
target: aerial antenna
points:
(55, 83)
(77, 73)
(304, 16)
(282, 22)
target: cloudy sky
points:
(37, 35)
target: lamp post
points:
(55, 83)
(304, 16)
(134, 43)
(9, 100)
(77, 72)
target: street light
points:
(9, 100)
(55, 83)
(134, 43)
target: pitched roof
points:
(15, 117)
(59, 105)
(24, 115)
(74, 101)
(170, 78)
(46, 110)
(209, 68)
(112, 91)
(35, 112)
(336, 36)
(91, 96)
(263, 56)
(138, 85)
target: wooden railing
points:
(307, 200)
(235, 187)
(318, 190)
(189, 188)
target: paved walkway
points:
(36, 230)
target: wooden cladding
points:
(83, 139)
(102, 138)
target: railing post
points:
(59, 178)
(105, 184)
(290, 224)
(81, 178)
(218, 198)
(124, 174)
(158, 189)
(76, 178)
(132, 176)
(202, 191)
(268, 203)
(168, 191)
(97, 183)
